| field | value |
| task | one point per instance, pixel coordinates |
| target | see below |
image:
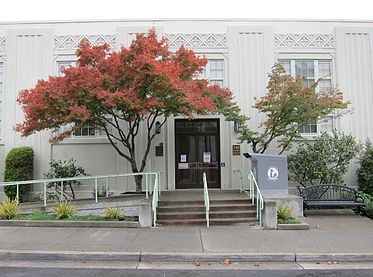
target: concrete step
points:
(202, 214)
(232, 207)
(202, 221)
(201, 208)
(188, 202)
(232, 214)
(184, 208)
(189, 208)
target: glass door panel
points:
(197, 150)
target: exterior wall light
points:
(236, 126)
(158, 127)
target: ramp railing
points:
(156, 193)
(256, 196)
(207, 199)
(96, 180)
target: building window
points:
(310, 71)
(82, 130)
(64, 64)
(1, 97)
(88, 131)
(214, 72)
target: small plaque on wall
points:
(236, 150)
(159, 150)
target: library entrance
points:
(197, 150)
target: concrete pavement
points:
(330, 235)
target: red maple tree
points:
(118, 91)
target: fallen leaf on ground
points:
(226, 262)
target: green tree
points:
(288, 105)
(324, 160)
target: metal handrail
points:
(207, 199)
(156, 193)
(259, 198)
(95, 178)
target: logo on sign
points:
(273, 174)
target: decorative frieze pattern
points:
(66, 42)
(200, 40)
(304, 41)
(2, 43)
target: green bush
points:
(365, 172)
(113, 213)
(324, 160)
(367, 199)
(284, 212)
(63, 169)
(9, 209)
(64, 210)
(19, 166)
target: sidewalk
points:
(334, 233)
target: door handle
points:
(211, 165)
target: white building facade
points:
(240, 54)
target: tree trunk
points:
(138, 181)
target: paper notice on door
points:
(183, 158)
(183, 165)
(207, 157)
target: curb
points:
(184, 257)
(217, 257)
(337, 257)
(69, 255)
(59, 223)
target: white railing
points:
(256, 196)
(207, 199)
(239, 172)
(45, 183)
(156, 193)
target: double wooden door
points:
(197, 150)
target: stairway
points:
(188, 208)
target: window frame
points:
(73, 139)
(214, 56)
(316, 59)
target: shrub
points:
(284, 212)
(113, 213)
(365, 172)
(64, 210)
(19, 166)
(367, 199)
(9, 209)
(324, 160)
(63, 169)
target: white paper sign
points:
(183, 158)
(183, 165)
(207, 157)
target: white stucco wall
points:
(30, 51)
